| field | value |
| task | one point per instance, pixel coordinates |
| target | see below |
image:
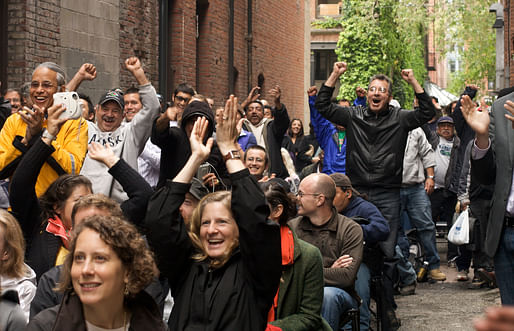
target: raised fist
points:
(133, 64)
(408, 75)
(313, 90)
(339, 68)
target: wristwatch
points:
(233, 154)
(48, 135)
(431, 177)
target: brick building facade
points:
(207, 43)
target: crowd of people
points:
(133, 214)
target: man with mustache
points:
(128, 140)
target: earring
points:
(126, 291)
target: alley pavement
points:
(448, 305)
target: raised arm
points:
(136, 187)
(259, 238)
(426, 111)
(332, 112)
(141, 124)
(281, 121)
(166, 231)
(86, 72)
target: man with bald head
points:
(339, 239)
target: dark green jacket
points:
(301, 291)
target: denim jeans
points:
(388, 202)
(406, 272)
(362, 287)
(415, 202)
(335, 302)
(504, 266)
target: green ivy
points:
(381, 38)
(327, 23)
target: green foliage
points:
(382, 37)
(466, 26)
(327, 23)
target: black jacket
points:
(236, 296)
(42, 247)
(175, 148)
(69, 315)
(375, 142)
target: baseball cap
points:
(344, 182)
(115, 95)
(445, 119)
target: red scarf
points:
(287, 244)
(56, 228)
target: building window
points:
(328, 8)
(324, 60)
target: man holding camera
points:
(24, 128)
(127, 141)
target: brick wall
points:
(33, 37)
(106, 32)
(277, 53)
(139, 36)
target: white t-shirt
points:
(442, 160)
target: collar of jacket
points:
(331, 225)
(384, 112)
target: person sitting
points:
(104, 275)
(15, 275)
(46, 223)
(297, 304)
(339, 239)
(256, 160)
(268, 132)
(23, 129)
(127, 140)
(225, 271)
(348, 202)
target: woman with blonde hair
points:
(14, 273)
(103, 280)
(223, 275)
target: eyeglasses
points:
(301, 194)
(381, 89)
(44, 85)
(179, 98)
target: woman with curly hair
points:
(224, 273)
(103, 278)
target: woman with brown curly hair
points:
(224, 273)
(104, 275)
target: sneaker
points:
(488, 276)
(408, 289)
(477, 283)
(437, 274)
(462, 276)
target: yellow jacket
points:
(70, 150)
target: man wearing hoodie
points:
(174, 143)
(127, 140)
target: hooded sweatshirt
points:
(25, 286)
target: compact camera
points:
(71, 102)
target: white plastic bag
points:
(459, 233)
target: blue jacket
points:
(246, 139)
(326, 134)
(377, 229)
